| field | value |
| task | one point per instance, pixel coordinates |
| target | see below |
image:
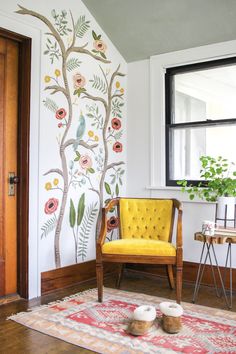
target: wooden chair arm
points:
(102, 236)
(179, 236)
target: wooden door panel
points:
(8, 163)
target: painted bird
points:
(80, 131)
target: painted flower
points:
(117, 147)
(57, 72)
(122, 90)
(79, 81)
(116, 123)
(60, 113)
(51, 206)
(48, 186)
(60, 125)
(90, 133)
(47, 78)
(117, 84)
(100, 46)
(85, 162)
(55, 181)
(96, 138)
(112, 223)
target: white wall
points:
(44, 134)
(146, 139)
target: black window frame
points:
(169, 108)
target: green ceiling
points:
(141, 28)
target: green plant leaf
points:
(49, 226)
(72, 64)
(81, 207)
(107, 187)
(72, 214)
(81, 27)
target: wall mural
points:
(97, 137)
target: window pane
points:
(189, 144)
(205, 94)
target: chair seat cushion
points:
(139, 247)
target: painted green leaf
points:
(94, 35)
(78, 154)
(81, 207)
(117, 190)
(99, 36)
(72, 64)
(91, 170)
(49, 226)
(103, 55)
(107, 187)
(72, 214)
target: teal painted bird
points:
(80, 131)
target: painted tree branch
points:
(95, 98)
(114, 164)
(56, 89)
(24, 11)
(54, 170)
(120, 95)
(81, 143)
(82, 50)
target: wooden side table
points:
(208, 251)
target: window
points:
(200, 116)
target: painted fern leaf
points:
(81, 26)
(118, 135)
(50, 104)
(73, 64)
(49, 226)
(85, 229)
(99, 84)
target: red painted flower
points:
(59, 125)
(60, 113)
(117, 147)
(85, 162)
(116, 123)
(51, 206)
(112, 223)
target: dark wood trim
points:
(189, 272)
(22, 158)
(66, 276)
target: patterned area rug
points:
(82, 321)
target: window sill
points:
(178, 194)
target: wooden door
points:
(8, 163)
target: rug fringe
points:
(41, 307)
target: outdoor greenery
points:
(217, 180)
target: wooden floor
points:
(17, 339)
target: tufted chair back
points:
(146, 218)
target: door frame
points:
(23, 143)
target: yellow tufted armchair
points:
(145, 231)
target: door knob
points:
(12, 181)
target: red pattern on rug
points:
(102, 326)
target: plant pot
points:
(222, 202)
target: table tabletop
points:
(219, 239)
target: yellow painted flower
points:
(57, 72)
(117, 84)
(55, 181)
(47, 78)
(48, 186)
(90, 133)
(122, 90)
(96, 138)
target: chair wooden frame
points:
(169, 261)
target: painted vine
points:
(104, 111)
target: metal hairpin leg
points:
(201, 271)
(229, 304)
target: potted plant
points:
(218, 185)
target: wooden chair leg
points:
(99, 271)
(120, 275)
(179, 272)
(169, 269)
